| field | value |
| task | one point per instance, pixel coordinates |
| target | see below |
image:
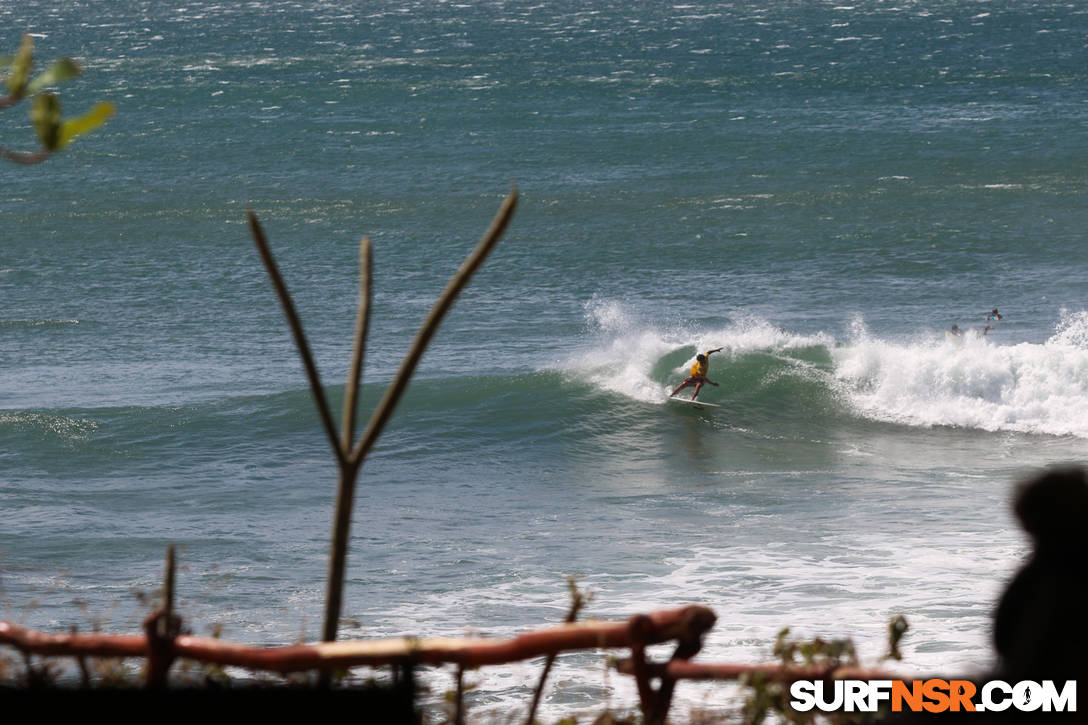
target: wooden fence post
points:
(161, 627)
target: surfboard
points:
(694, 403)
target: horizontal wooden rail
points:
(74, 645)
(687, 670)
(161, 645)
(655, 628)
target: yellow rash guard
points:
(699, 369)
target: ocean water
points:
(820, 188)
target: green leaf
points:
(63, 69)
(45, 115)
(20, 68)
(89, 121)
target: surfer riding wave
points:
(698, 374)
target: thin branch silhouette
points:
(358, 349)
(297, 331)
(430, 326)
(350, 458)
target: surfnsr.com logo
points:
(933, 695)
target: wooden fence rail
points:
(686, 626)
(655, 628)
(685, 670)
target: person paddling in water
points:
(698, 374)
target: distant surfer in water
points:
(698, 374)
(994, 316)
(955, 333)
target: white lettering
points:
(879, 690)
(995, 696)
(1027, 696)
(988, 700)
(855, 695)
(823, 704)
(1065, 701)
(803, 695)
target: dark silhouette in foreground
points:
(1039, 626)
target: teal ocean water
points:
(820, 188)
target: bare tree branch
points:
(355, 370)
(351, 462)
(393, 393)
(299, 334)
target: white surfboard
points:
(695, 403)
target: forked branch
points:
(352, 461)
(350, 458)
(393, 393)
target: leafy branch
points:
(770, 694)
(53, 130)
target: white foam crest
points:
(750, 333)
(1071, 330)
(971, 381)
(62, 426)
(624, 356)
(626, 349)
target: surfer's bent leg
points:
(681, 386)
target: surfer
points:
(698, 374)
(994, 316)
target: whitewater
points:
(929, 378)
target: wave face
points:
(930, 379)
